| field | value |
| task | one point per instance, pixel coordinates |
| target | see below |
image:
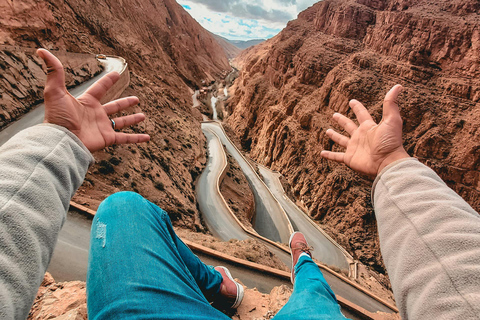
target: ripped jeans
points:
(139, 269)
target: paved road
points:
(196, 103)
(214, 210)
(36, 115)
(324, 250)
(270, 219)
(70, 258)
(213, 102)
(211, 203)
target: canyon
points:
(278, 108)
(290, 86)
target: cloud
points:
(245, 19)
(251, 10)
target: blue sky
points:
(245, 19)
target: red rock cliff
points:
(342, 49)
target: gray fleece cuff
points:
(387, 168)
(73, 137)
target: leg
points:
(312, 297)
(207, 278)
(136, 269)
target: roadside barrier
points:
(117, 89)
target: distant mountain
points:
(233, 47)
(246, 44)
(230, 49)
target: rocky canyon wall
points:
(338, 50)
(167, 52)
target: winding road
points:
(325, 249)
(214, 210)
(271, 221)
(36, 115)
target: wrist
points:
(392, 157)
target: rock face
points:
(22, 79)
(335, 51)
(60, 301)
(167, 52)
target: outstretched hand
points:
(85, 116)
(371, 147)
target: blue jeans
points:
(139, 269)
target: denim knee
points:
(128, 205)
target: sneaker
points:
(298, 244)
(231, 292)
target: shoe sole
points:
(240, 292)
(290, 246)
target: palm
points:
(86, 117)
(370, 145)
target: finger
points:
(335, 156)
(391, 112)
(124, 138)
(55, 72)
(128, 121)
(360, 111)
(345, 123)
(120, 104)
(99, 88)
(338, 138)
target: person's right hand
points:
(371, 147)
(85, 116)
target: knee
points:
(127, 205)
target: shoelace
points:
(303, 247)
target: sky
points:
(245, 19)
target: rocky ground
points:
(67, 301)
(290, 86)
(237, 193)
(249, 250)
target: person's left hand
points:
(85, 116)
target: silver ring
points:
(113, 124)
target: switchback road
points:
(270, 220)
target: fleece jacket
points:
(430, 242)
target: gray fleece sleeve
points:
(40, 170)
(430, 241)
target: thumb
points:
(391, 113)
(55, 72)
